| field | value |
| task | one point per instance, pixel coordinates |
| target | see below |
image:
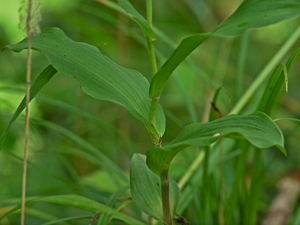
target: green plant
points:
(150, 185)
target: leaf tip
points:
(282, 150)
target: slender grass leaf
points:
(241, 64)
(38, 84)
(138, 18)
(129, 144)
(274, 86)
(119, 207)
(100, 77)
(145, 187)
(79, 202)
(183, 50)
(187, 100)
(267, 105)
(32, 212)
(232, 201)
(93, 151)
(111, 202)
(257, 128)
(291, 119)
(257, 13)
(45, 171)
(60, 221)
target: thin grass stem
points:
(28, 82)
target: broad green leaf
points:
(100, 77)
(38, 84)
(257, 128)
(257, 13)
(183, 50)
(138, 18)
(250, 14)
(145, 187)
(111, 202)
(274, 86)
(79, 202)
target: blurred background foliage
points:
(60, 165)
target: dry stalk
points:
(28, 81)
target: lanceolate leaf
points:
(183, 50)
(38, 84)
(257, 13)
(145, 187)
(250, 14)
(257, 128)
(100, 77)
(138, 18)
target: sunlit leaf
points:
(145, 187)
(257, 128)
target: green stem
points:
(164, 177)
(154, 103)
(265, 72)
(150, 40)
(149, 12)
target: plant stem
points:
(154, 103)
(28, 81)
(150, 40)
(164, 177)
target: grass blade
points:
(79, 202)
(39, 83)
